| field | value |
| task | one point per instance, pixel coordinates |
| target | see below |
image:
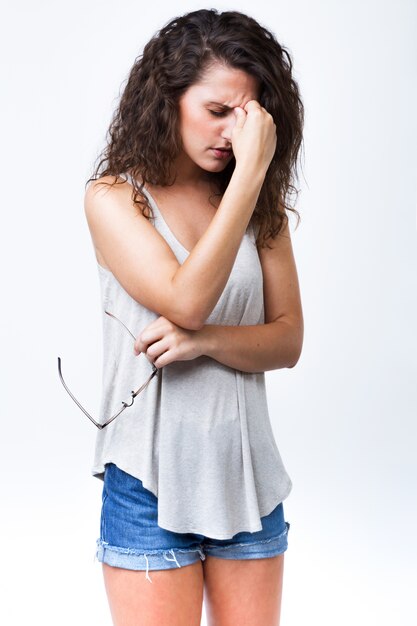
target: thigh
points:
(243, 591)
(175, 598)
(135, 552)
(243, 576)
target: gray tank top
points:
(199, 435)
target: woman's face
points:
(206, 119)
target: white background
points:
(344, 417)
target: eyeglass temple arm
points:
(116, 318)
(73, 397)
(125, 405)
(134, 393)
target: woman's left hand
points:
(163, 342)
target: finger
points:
(240, 117)
(252, 105)
(149, 335)
(136, 348)
(156, 349)
(142, 343)
(161, 359)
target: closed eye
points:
(218, 113)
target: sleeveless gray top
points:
(199, 435)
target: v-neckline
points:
(158, 211)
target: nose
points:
(228, 124)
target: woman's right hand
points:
(253, 136)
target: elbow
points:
(179, 309)
(198, 320)
(195, 318)
(184, 310)
(182, 314)
(188, 322)
(296, 359)
(193, 323)
(186, 318)
(297, 344)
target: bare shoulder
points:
(104, 195)
(108, 189)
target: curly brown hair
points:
(144, 138)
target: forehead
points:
(225, 85)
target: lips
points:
(222, 153)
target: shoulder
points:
(109, 206)
(105, 187)
(111, 197)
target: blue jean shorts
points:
(130, 537)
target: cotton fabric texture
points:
(199, 436)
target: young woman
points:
(187, 214)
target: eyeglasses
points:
(125, 404)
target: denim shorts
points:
(130, 537)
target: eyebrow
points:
(224, 106)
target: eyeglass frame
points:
(155, 370)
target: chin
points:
(217, 166)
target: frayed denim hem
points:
(129, 558)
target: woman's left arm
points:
(278, 342)
(256, 348)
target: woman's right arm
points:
(141, 259)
